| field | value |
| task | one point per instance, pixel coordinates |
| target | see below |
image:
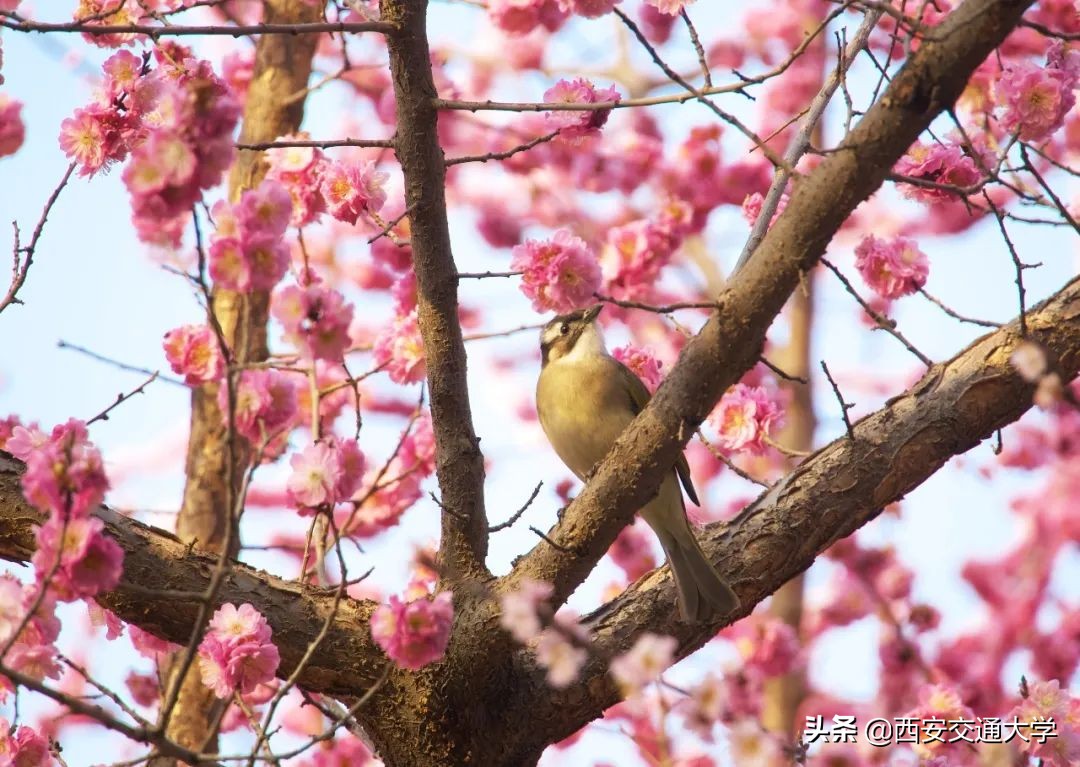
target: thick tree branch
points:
(460, 465)
(732, 340)
(164, 580)
(837, 490)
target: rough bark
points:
(460, 466)
(214, 467)
(732, 340)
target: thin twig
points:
(504, 154)
(121, 398)
(956, 315)
(781, 373)
(711, 305)
(364, 143)
(844, 405)
(18, 24)
(517, 514)
(485, 275)
(62, 344)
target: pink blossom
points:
(590, 9)
(633, 255)
(414, 634)
(519, 17)
(400, 347)
(1047, 701)
(64, 475)
(148, 645)
(193, 352)
(353, 189)
(642, 363)
(267, 208)
(670, 7)
(560, 274)
(520, 609)
(23, 747)
(1029, 360)
(892, 268)
(576, 125)
(75, 559)
(704, 706)
(94, 138)
(143, 688)
(1037, 99)
(300, 170)
(316, 319)
(265, 403)
(744, 418)
(939, 163)
(563, 659)
(654, 23)
(752, 744)
(644, 662)
(12, 130)
(772, 648)
(237, 654)
(326, 472)
(938, 701)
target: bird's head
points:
(572, 336)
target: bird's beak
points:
(592, 313)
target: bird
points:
(585, 398)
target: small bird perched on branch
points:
(585, 399)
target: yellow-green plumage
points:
(585, 399)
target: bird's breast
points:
(582, 411)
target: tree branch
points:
(733, 338)
(837, 490)
(158, 562)
(460, 466)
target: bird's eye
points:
(564, 328)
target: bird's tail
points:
(703, 594)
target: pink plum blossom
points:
(560, 274)
(265, 403)
(744, 417)
(519, 17)
(316, 319)
(237, 654)
(414, 633)
(642, 363)
(576, 125)
(590, 9)
(352, 189)
(670, 7)
(558, 651)
(193, 352)
(892, 268)
(643, 663)
(12, 130)
(400, 347)
(327, 472)
(520, 609)
(75, 559)
(64, 473)
(23, 746)
(940, 163)
(1038, 98)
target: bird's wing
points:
(639, 398)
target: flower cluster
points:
(33, 651)
(23, 747)
(193, 351)
(247, 251)
(744, 417)
(325, 473)
(414, 633)
(519, 17)
(946, 164)
(560, 274)
(1046, 700)
(299, 170)
(590, 9)
(237, 654)
(316, 319)
(265, 404)
(400, 348)
(892, 268)
(1037, 99)
(65, 478)
(353, 189)
(175, 121)
(634, 253)
(558, 640)
(573, 125)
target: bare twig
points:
(956, 315)
(517, 514)
(18, 24)
(845, 406)
(504, 154)
(121, 398)
(21, 266)
(62, 344)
